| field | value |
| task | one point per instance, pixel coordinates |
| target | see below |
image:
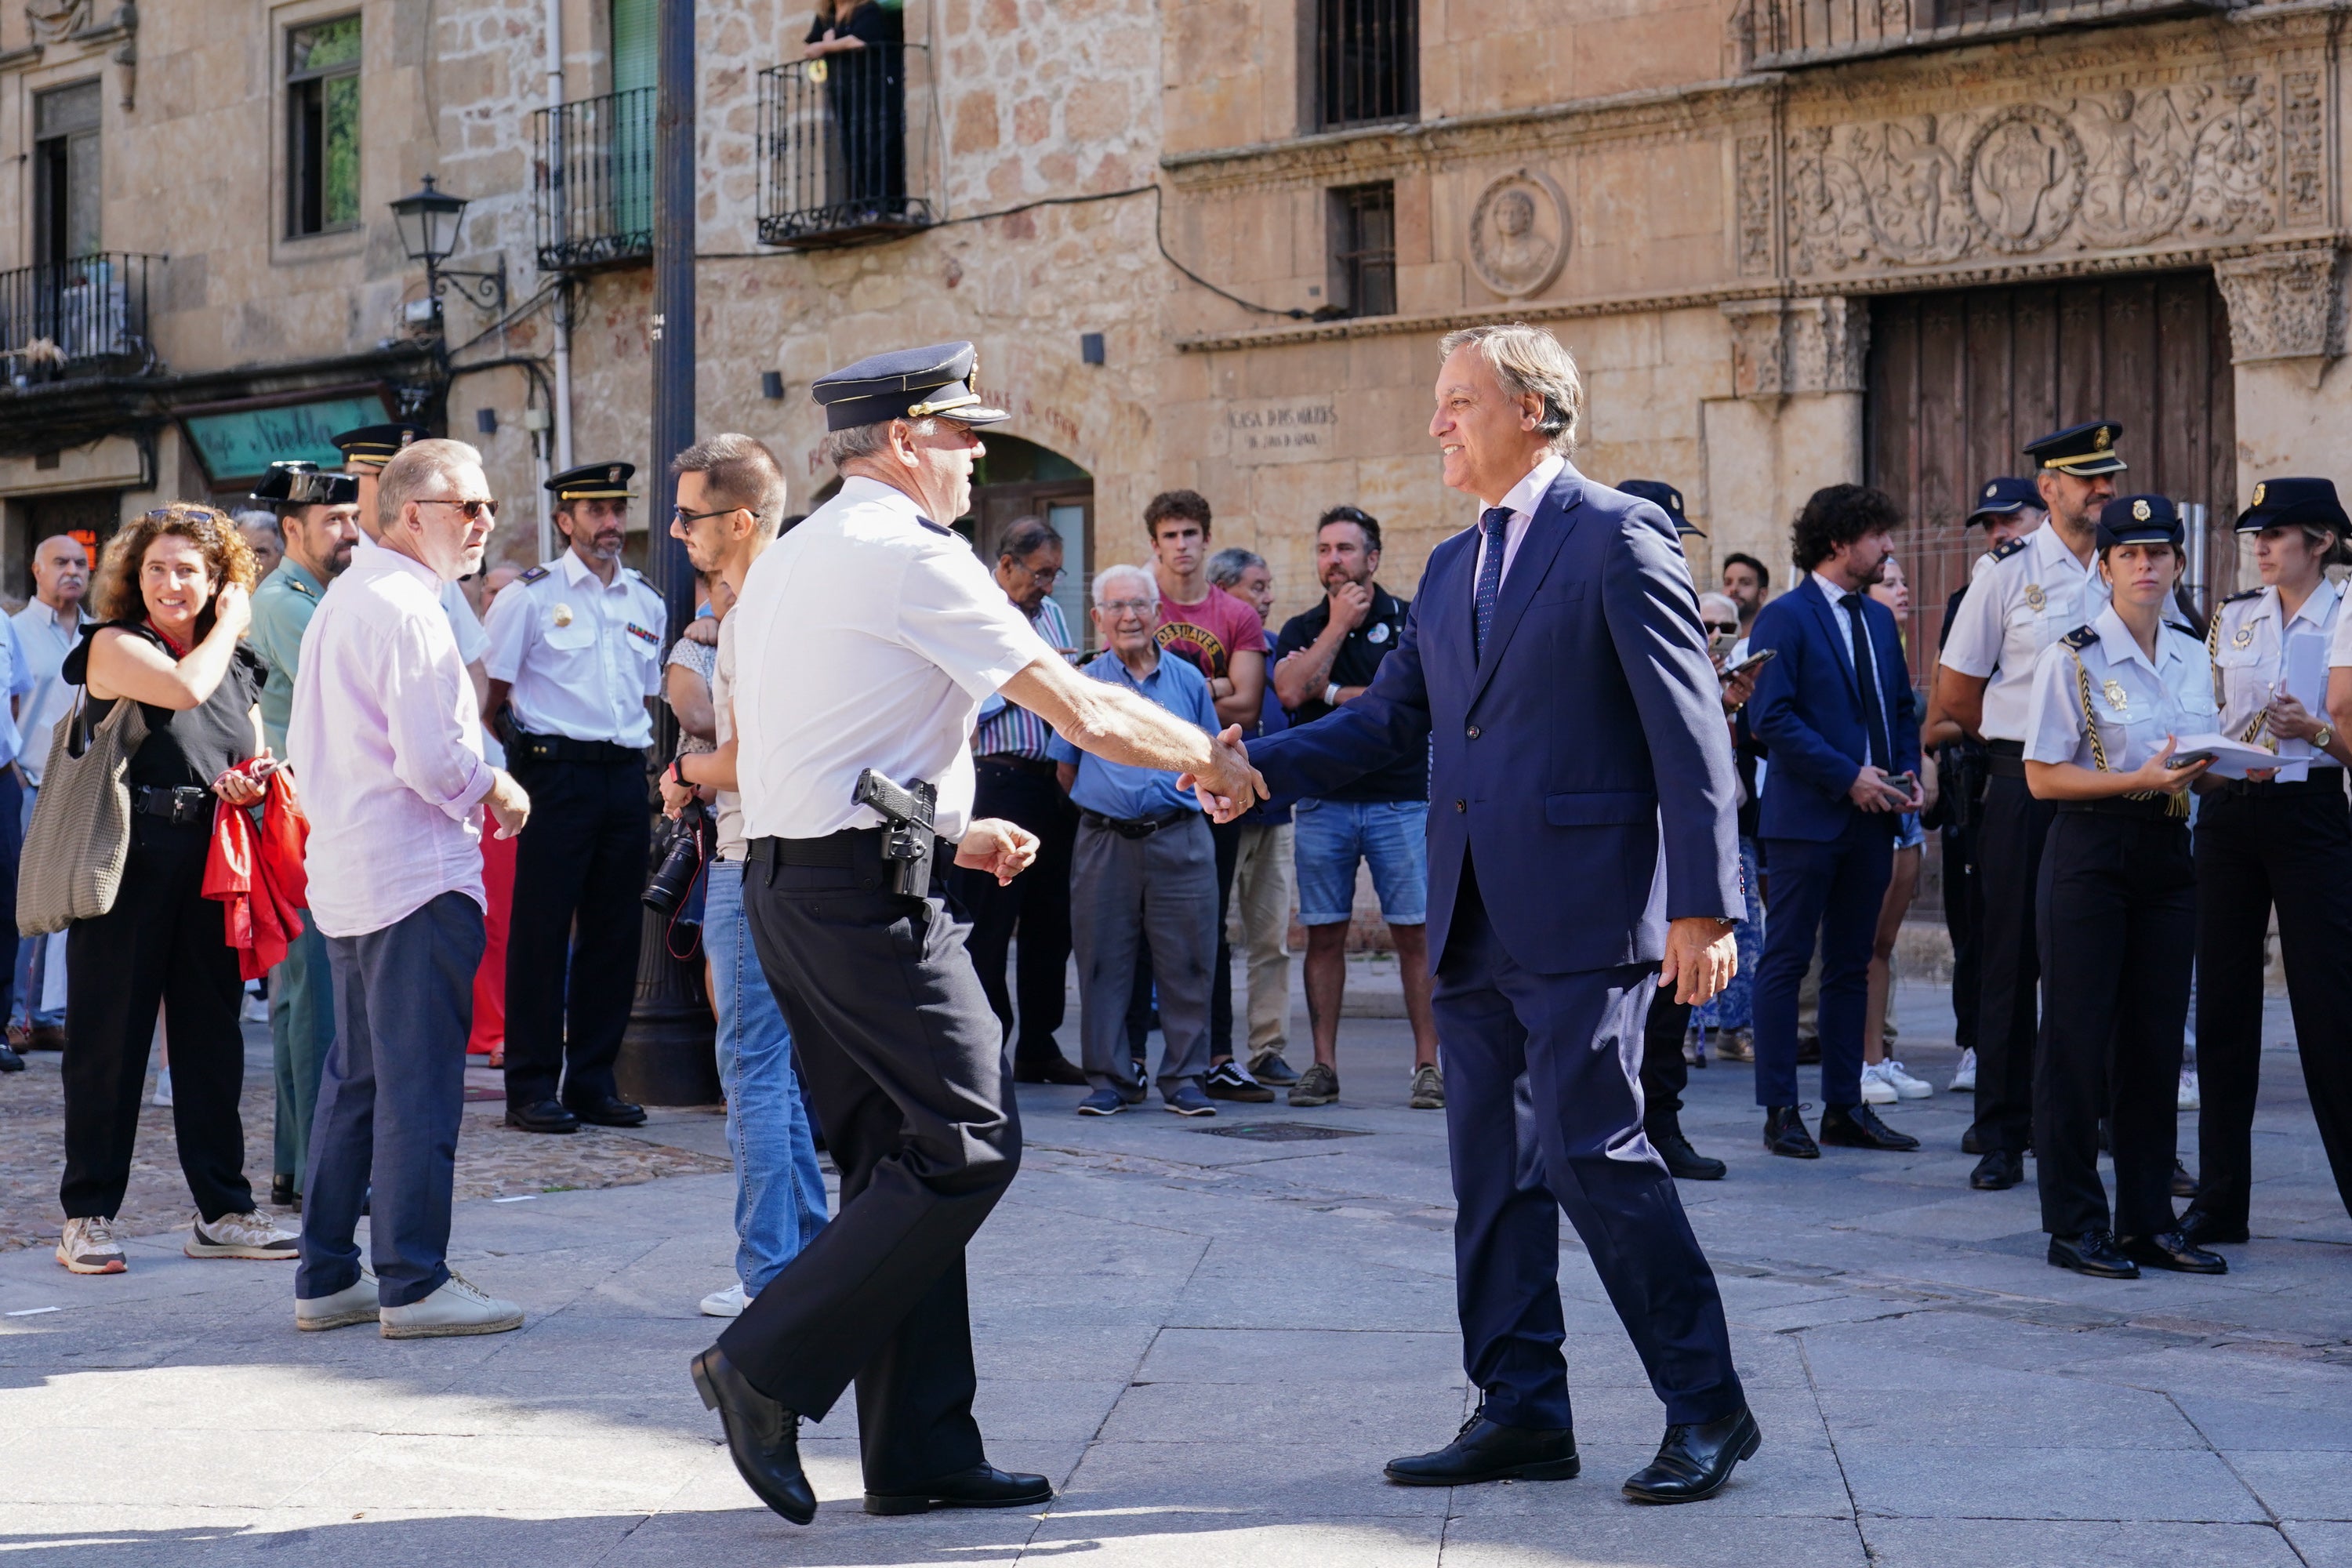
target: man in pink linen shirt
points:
(386, 747)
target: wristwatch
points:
(2324, 737)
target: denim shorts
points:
(1330, 836)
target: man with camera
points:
(866, 638)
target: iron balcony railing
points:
(845, 147)
(79, 317)
(1367, 62)
(593, 181)
(1783, 33)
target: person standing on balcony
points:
(861, 47)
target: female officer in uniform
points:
(2286, 840)
(2118, 899)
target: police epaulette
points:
(2243, 593)
(296, 585)
(2079, 637)
(2185, 630)
(534, 575)
(2011, 548)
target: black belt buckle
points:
(181, 804)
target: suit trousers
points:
(2289, 845)
(390, 1101)
(904, 1065)
(1262, 894)
(161, 945)
(1130, 897)
(1830, 892)
(1227, 837)
(1542, 1091)
(572, 937)
(2009, 870)
(1664, 1073)
(1036, 902)
(301, 1032)
(1964, 919)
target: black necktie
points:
(1866, 677)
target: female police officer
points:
(2286, 840)
(2119, 899)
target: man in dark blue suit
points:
(1835, 712)
(1582, 851)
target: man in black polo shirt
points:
(1323, 659)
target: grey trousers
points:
(1127, 896)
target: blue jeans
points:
(33, 951)
(779, 1189)
(1329, 836)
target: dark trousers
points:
(1665, 1074)
(1037, 903)
(1227, 838)
(1964, 918)
(12, 848)
(2117, 915)
(1831, 891)
(2291, 845)
(2009, 867)
(572, 943)
(162, 943)
(1576, 1041)
(905, 1066)
(389, 1100)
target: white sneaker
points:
(726, 1303)
(1875, 1087)
(2190, 1097)
(163, 1087)
(354, 1303)
(1906, 1085)
(247, 1234)
(1964, 1076)
(458, 1308)
(88, 1247)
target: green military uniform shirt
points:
(282, 606)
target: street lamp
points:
(429, 221)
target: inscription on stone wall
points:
(1281, 430)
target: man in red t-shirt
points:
(1225, 640)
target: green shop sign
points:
(241, 443)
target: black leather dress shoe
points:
(2092, 1253)
(1694, 1461)
(1858, 1127)
(2184, 1185)
(1970, 1143)
(1784, 1134)
(982, 1486)
(1998, 1172)
(9, 1060)
(2199, 1228)
(1483, 1451)
(282, 1192)
(605, 1111)
(541, 1116)
(1056, 1069)
(1681, 1159)
(2171, 1251)
(762, 1436)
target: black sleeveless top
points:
(184, 746)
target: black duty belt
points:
(524, 746)
(843, 851)
(1133, 826)
(186, 804)
(2157, 810)
(2005, 759)
(1042, 766)
(2323, 781)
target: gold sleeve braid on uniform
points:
(2076, 642)
(2214, 660)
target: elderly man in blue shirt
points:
(1143, 875)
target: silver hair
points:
(1110, 574)
(1226, 566)
(1527, 360)
(259, 517)
(1726, 607)
(413, 470)
(864, 440)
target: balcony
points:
(846, 146)
(593, 181)
(1787, 33)
(83, 317)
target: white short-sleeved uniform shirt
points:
(2033, 593)
(2136, 702)
(2249, 644)
(866, 638)
(2339, 641)
(582, 655)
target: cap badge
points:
(2258, 493)
(1992, 490)
(612, 475)
(2102, 441)
(2117, 698)
(2139, 512)
(2034, 597)
(562, 615)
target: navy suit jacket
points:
(1581, 755)
(1808, 711)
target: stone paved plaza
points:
(1212, 1342)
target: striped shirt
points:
(1006, 728)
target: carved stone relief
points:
(1518, 234)
(2283, 304)
(1753, 181)
(1780, 347)
(53, 19)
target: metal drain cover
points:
(1283, 1131)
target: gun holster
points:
(908, 838)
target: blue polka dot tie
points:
(1491, 523)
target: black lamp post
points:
(429, 221)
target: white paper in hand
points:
(2231, 758)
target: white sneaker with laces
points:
(1875, 1089)
(726, 1303)
(354, 1303)
(88, 1247)
(1908, 1086)
(458, 1308)
(162, 1088)
(2190, 1097)
(247, 1234)
(1964, 1076)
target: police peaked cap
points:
(2084, 450)
(2140, 520)
(906, 383)
(595, 482)
(376, 445)
(2308, 502)
(1666, 499)
(2004, 497)
(301, 484)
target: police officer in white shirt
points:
(2284, 841)
(575, 649)
(2035, 591)
(865, 639)
(2117, 912)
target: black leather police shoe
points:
(1694, 1461)
(541, 1116)
(2184, 1185)
(1784, 1134)
(1858, 1127)
(2171, 1251)
(2092, 1253)
(763, 1437)
(1056, 1069)
(1483, 1451)
(1970, 1143)
(2199, 1228)
(982, 1486)
(1998, 1172)
(9, 1060)
(605, 1111)
(1681, 1159)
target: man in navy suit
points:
(1835, 712)
(1582, 852)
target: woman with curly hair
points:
(173, 599)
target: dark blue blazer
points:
(1808, 711)
(1582, 755)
